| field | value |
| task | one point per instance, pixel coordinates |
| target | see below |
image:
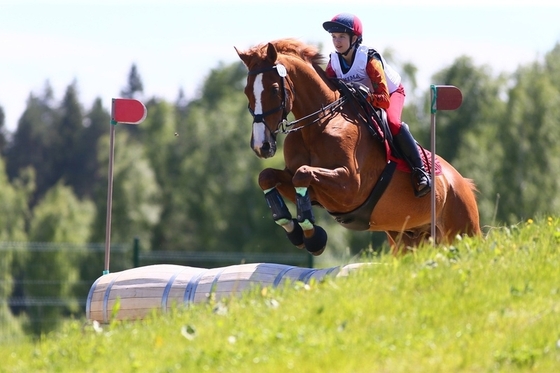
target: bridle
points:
(283, 73)
(284, 125)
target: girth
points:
(358, 219)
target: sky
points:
(175, 44)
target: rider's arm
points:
(380, 95)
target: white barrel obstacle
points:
(143, 289)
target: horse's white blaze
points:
(258, 127)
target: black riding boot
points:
(406, 144)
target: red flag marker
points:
(128, 111)
(446, 97)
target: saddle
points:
(378, 126)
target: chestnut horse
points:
(332, 160)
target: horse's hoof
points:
(296, 236)
(316, 244)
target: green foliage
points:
(530, 134)
(13, 208)
(33, 140)
(59, 217)
(135, 202)
(481, 305)
(13, 214)
(86, 174)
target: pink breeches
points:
(394, 111)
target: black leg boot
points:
(406, 144)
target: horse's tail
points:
(460, 212)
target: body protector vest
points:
(357, 72)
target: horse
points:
(334, 162)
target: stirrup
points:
(418, 174)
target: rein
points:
(331, 108)
(284, 125)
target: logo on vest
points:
(351, 78)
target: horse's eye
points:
(275, 89)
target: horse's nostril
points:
(265, 147)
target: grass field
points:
(482, 305)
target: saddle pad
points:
(426, 156)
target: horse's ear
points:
(244, 56)
(271, 53)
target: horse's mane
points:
(294, 47)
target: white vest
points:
(357, 72)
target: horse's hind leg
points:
(460, 212)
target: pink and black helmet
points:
(346, 23)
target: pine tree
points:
(134, 88)
(68, 156)
(33, 140)
(97, 125)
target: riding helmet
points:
(344, 22)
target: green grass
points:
(482, 305)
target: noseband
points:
(283, 73)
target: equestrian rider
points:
(357, 63)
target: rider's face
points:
(341, 41)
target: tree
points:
(13, 214)
(66, 151)
(530, 134)
(60, 217)
(87, 174)
(32, 142)
(134, 88)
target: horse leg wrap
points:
(304, 212)
(316, 244)
(280, 212)
(296, 236)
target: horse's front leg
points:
(337, 190)
(275, 184)
(334, 189)
(302, 232)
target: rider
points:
(357, 63)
